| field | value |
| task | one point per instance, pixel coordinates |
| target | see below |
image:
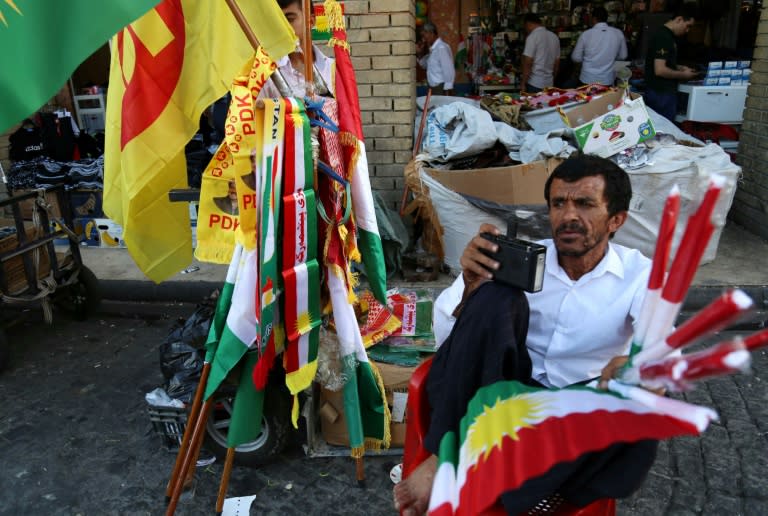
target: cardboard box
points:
(520, 184)
(333, 424)
(714, 65)
(27, 206)
(609, 124)
(110, 234)
(745, 64)
(730, 65)
(86, 229)
(86, 203)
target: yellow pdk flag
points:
(167, 67)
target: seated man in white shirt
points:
(291, 66)
(565, 334)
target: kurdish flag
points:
(167, 67)
(232, 336)
(43, 43)
(240, 330)
(353, 146)
(513, 433)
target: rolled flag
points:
(756, 340)
(720, 313)
(658, 267)
(697, 232)
(679, 373)
(445, 497)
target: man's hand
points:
(474, 262)
(611, 370)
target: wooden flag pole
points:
(191, 456)
(309, 57)
(416, 147)
(277, 77)
(360, 471)
(194, 413)
(228, 461)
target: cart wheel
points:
(83, 297)
(275, 429)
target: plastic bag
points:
(183, 351)
(458, 130)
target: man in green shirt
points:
(662, 72)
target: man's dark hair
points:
(618, 189)
(285, 3)
(600, 14)
(687, 10)
(429, 27)
(532, 18)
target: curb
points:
(168, 291)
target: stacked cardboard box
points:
(728, 73)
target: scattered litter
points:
(288, 486)
(192, 268)
(160, 398)
(238, 506)
(206, 461)
(396, 474)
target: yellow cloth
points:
(144, 160)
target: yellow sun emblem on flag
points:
(505, 417)
(303, 323)
(12, 6)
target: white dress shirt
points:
(597, 49)
(439, 65)
(543, 47)
(575, 327)
(295, 78)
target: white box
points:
(110, 234)
(730, 65)
(745, 64)
(722, 104)
(724, 81)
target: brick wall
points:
(382, 38)
(750, 204)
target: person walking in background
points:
(662, 72)
(435, 56)
(541, 56)
(597, 49)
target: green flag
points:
(44, 41)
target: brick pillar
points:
(750, 205)
(382, 37)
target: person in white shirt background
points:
(292, 65)
(435, 56)
(597, 49)
(541, 56)
(577, 328)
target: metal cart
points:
(32, 272)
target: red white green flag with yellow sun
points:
(513, 433)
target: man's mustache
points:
(571, 227)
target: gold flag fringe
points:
(334, 14)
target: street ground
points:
(75, 438)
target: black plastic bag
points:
(183, 351)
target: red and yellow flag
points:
(167, 67)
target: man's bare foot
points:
(412, 493)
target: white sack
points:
(690, 168)
(527, 146)
(460, 220)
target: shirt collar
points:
(600, 25)
(320, 58)
(434, 45)
(611, 263)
